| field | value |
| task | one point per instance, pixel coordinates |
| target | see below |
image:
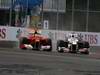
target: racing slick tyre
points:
(83, 44)
(86, 52)
(23, 41)
(86, 45)
(80, 45)
(60, 44)
(49, 43)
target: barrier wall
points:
(14, 33)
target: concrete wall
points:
(8, 44)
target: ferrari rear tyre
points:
(49, 42)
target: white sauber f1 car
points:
(73, 44)
(35, 41)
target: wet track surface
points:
(19, 62)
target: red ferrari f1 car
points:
(36, 41)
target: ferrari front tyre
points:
(22, 42)
(22, 46)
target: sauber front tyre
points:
(83, 47)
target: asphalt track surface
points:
(19, 62)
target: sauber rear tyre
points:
(83, 44)
(86, 52)
(86, 45)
